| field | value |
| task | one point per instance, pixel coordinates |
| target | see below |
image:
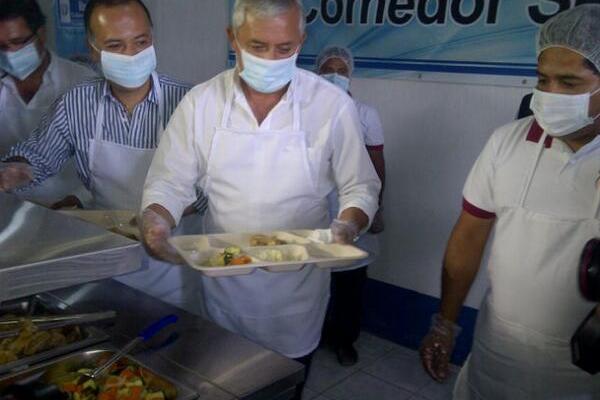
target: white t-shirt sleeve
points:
(371, 126)
(478, 193)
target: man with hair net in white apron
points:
(267, 142)
(536, 184)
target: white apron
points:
(521, 349)
(18, 120)
(117, 176)
(262, 181)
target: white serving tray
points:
(197, 249)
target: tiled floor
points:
(385, 371)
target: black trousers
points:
(306, 361)
(342, 323)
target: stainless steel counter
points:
(216, 363)
(42, 250)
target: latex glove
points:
(155, 230)
(343, 232)
(69, 202)
(437, 347)
(378, 225)
(14, 175)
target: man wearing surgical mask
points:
(267, 142)
(110, 126)
(536, 184)
(32, 77)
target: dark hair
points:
(591, 66)
(29, 10)
(93, 4)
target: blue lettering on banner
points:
(391, 37)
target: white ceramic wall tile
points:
(361, 386)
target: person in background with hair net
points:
(536, 185)
(342, 324)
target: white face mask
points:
(128, 71)
(267, 76)
(21, 63)
(341, 81)
(562, 114)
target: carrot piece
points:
(241, 260)
(70, 387)
(112, 395)
(127, 373)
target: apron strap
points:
(295, 113)
(228, 104)
(296, 120)
(533, 167)
(161, 104)
(535, 162)
(99, 131)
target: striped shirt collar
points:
(152, 96)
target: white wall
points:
(190, 37)
(434, 132)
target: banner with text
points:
(396, 38)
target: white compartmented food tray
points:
(297, 251)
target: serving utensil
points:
(144, 335)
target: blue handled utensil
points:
(145, 335)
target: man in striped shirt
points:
(122, 114)
(111, 127)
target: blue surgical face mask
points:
(340, 81)
(267, 76)
(128, 71)
(21, 63)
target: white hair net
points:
(577, 29)
(330, 52)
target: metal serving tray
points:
(53, 371)
(121, 222)
(44, 304)
(299, 249)
(43, 250)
